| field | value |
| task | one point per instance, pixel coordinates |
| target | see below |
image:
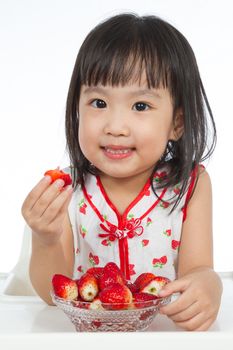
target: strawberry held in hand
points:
(143, 280)
(59, 174)
(155, 285)
(64, 287)
(141, 300)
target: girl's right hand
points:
(45, 207)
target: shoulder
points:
(203, 185)
(199, 189)
(200, 201)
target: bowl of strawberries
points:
(102, 299)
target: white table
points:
(28, 321)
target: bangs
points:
(122, 54)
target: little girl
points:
(138, 126)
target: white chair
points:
(18, 282)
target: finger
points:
(59, 206)
(206, 325)
(186, 314)
(179, 285)
(47, 198)
(180, 304)
(36, 193)
(194, 323)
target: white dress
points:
(144, 239)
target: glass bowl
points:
(106, 319)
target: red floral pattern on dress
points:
(159, 176)
(93, 259)
(77, 251)
(164, 204)
(131, 269)
(82, 231)
(145, 242)
(148, 221)
(80, 269)
(175, 244)
(159, 262)
(167, 232)
(82, 206)
(176, 190)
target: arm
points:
(46, 211)
(47, 260)
(199, 285)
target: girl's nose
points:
(117, 125)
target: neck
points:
(131, 184)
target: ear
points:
(178, 126)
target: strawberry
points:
(141, 300)
(88, 287)
(64, 287)
(96, 304)
(116, 294)
(59, 174)
(111, 274)
(155, 285)
(80, 304)
(96, 271)
(143, 279)
(131, 286)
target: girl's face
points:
(124, 130)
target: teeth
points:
(118, 151)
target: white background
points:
(39, 41)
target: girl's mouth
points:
(117, 152)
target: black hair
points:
(109, 55)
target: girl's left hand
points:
(197, 306)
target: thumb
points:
(176, 286)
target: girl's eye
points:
(97, 103)
(141, 106)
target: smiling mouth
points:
(118, 151)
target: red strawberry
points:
(88, 287)
(80, 303)
(132, 287)
(59, 174)
(143, 279)
(141, 300)
(155, 285)
(93, 305)
(111, 274)
(64, 287)
(96, 304)
(95, 271)
(116, 294)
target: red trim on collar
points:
(130, 206)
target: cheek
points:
(87, 136)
